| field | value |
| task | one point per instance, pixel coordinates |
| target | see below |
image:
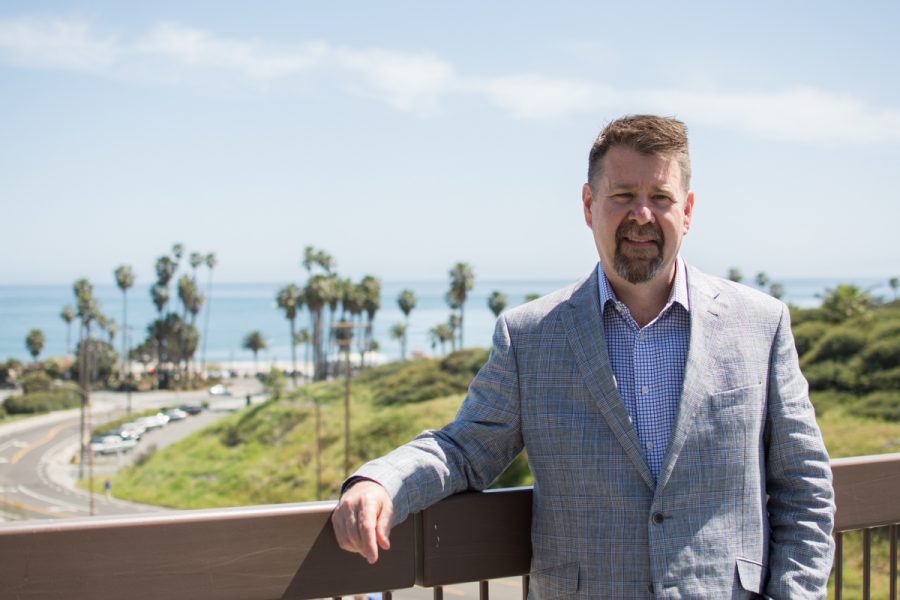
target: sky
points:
(403, 137)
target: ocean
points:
(238, 308)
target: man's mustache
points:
(630, 229)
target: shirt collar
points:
(678, 293)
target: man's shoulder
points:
(737, 298)
(547, 307)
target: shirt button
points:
(649, 445)
(658, 518)
(645, 390)
(642, 336)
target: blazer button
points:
(658, 518)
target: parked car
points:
(111, 444)
(219, 390)
(127, 431)
(191, 409)
(176, 414)
(153, 421)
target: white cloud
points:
(533, 96)
(56, 44)
(800, 114)
(405, 81)
(201, 49)
(418, 82)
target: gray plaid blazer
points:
(744, 502)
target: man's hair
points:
(647, 134)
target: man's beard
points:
(633, 269)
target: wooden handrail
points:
(288, 551)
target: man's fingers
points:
(366, 527)
(383, 527)
(362, 520)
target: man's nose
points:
(641, 213)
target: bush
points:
(831, 375)
(824, 401)
(36, 382)
(879, 405)
(465, 362)
(53, 369)
(41, 402)
(881, 355)
(808, 333)
(838, 344)
(883, 380)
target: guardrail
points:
(288, 551)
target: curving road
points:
(38, 467)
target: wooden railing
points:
(288, 551)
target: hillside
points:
(267, 454)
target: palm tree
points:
(398, 332)
(735, 275)
(762, 280)
(165, 269)
(454, 324)
(196, 260)
(289, 300)
(303, 337)
(124, 280)
(210, 264)
(68, 315)
(845, 302)
(254, 342)
(440, 334)
(776, 290)
(34, 342)
(406, 301)
(315, 296)
(497, 302)
(309, 258)
(177, 252)
(191, 303)
(371, 303)
(531, 297)
(894, 282)
(462, 280)
(160, 296)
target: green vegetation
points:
(41, 394)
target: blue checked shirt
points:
(648, 363)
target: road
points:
(38, 470)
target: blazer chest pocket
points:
(748, 397)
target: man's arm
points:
(468, 453)
(798, 480)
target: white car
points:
(176, 414)
(219, 390)
(111, 444)
(152, 422)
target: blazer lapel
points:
(584, 327)
(705, 326)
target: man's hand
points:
(362, 519)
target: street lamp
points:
(344, 335)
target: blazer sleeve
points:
(468, 453)
(798, 480)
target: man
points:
(673, 445)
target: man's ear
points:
(586, 201)
(688, 211)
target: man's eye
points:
(662, 199)
(623, 197)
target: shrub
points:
(807, 334)
(883, 380)
(831, 375)
(465, 362)
(881, 355)
(824, 401)
(879, 405)
(40, 402)
(36, 382)
(838, 344)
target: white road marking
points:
(55, 504)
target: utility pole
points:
(344, 336)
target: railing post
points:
(838, 565)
